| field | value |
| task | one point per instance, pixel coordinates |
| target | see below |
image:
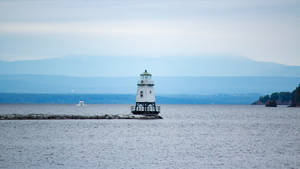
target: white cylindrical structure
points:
(145, 97)
(145, 91)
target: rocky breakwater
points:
(76, 117)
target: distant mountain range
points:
(212, 80)
(8, 98)
(163, 85)
(94, 66)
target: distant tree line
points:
(296, 97)
(24, 98)
(281, 98)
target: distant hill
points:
(8, 98)
(281, 98)
(95, 66)
(214, 80)
(163, 85)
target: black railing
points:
(149, 108)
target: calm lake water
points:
(189, 136)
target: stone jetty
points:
(76, 117)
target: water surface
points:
(189, 136)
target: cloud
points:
(260, 30)
(88, 28)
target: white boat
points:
(81, 103)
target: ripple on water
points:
(189, 136)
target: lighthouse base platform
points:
(145, 108)
(145, 113)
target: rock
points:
(271, 103)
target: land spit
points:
(76, 117)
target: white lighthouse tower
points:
(145, 98)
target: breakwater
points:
(76, 117)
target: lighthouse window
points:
(150, 91)
(141, 93)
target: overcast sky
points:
(262, 30)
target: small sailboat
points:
(81, 103)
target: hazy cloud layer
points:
(259, 30)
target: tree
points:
(274, 96)
(296, 97)
(285, 96)
(264, 99)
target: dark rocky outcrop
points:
(64, 117)
(296, 97)
(271, 103)
(281, 98)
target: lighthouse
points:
(145, 98)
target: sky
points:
(260, 30)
